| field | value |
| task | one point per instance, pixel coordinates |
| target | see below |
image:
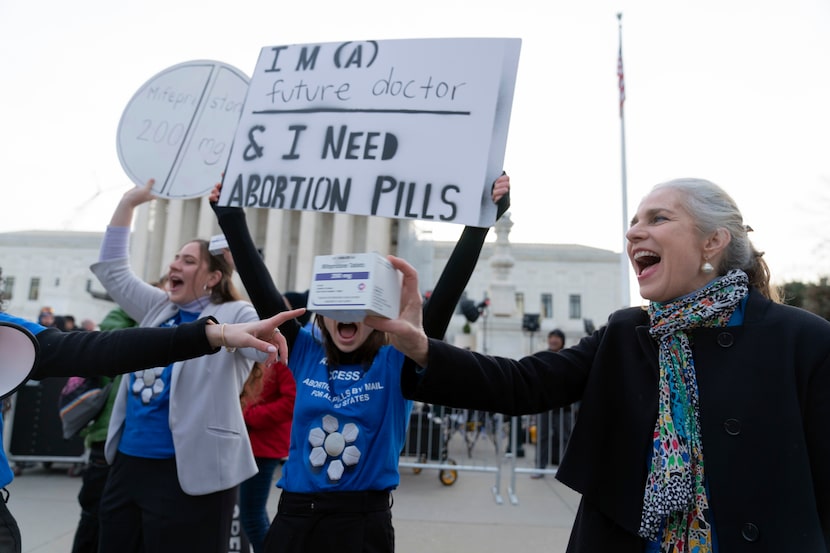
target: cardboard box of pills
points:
(348, 287)
(217, 244)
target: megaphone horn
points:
(18, 355)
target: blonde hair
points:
(252, 388)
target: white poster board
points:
(411, 129)
(178, 127)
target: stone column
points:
(307, 247)
(342, 240)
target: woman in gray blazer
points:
(177, 440)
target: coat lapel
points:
(649, 347)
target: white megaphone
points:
(18, 355)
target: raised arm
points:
(259, 284)
(438, 310)
(113, 270)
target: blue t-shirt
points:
(349, 424)
(6, 474)
(147, 424)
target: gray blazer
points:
(213, 451)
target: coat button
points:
(725, 339)
(750, 532)
(732, 427)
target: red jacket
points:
(268, 417)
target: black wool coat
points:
(765, 414)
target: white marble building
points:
(51, 268)
(568, 286)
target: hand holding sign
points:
(179, 126)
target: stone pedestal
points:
(502, 297)
(502, 291)
(501, 336)
(466, 341)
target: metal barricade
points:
(542, 440)
(453, 440)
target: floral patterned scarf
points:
(675, 496)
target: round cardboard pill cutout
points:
(178, 127)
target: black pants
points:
(253, 502)
(93, 481)
(9, 531)
(335, 522)
(145, 509)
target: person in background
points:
(176, 441)
(94, 475)
(556, 340)
(549, 425)
(64, 354)
(267, 406)
(89, 325)
(46, 317)
(65, 323)
(350, 419)
(694, 434)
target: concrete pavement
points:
(428, 515)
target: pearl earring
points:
(707, 267)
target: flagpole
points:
(624, 264)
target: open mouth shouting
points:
(174, 283)
(645, 262)
(347, 337)
(346, 331)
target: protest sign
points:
(412, 128)
(178, 127)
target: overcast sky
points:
(737, 92)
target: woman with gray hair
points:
(704, 417)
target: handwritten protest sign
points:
(178, 127)
(412, 128)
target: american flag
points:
(621, 79)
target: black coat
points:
(764, 407)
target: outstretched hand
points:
(263, 335)
(406, 333)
